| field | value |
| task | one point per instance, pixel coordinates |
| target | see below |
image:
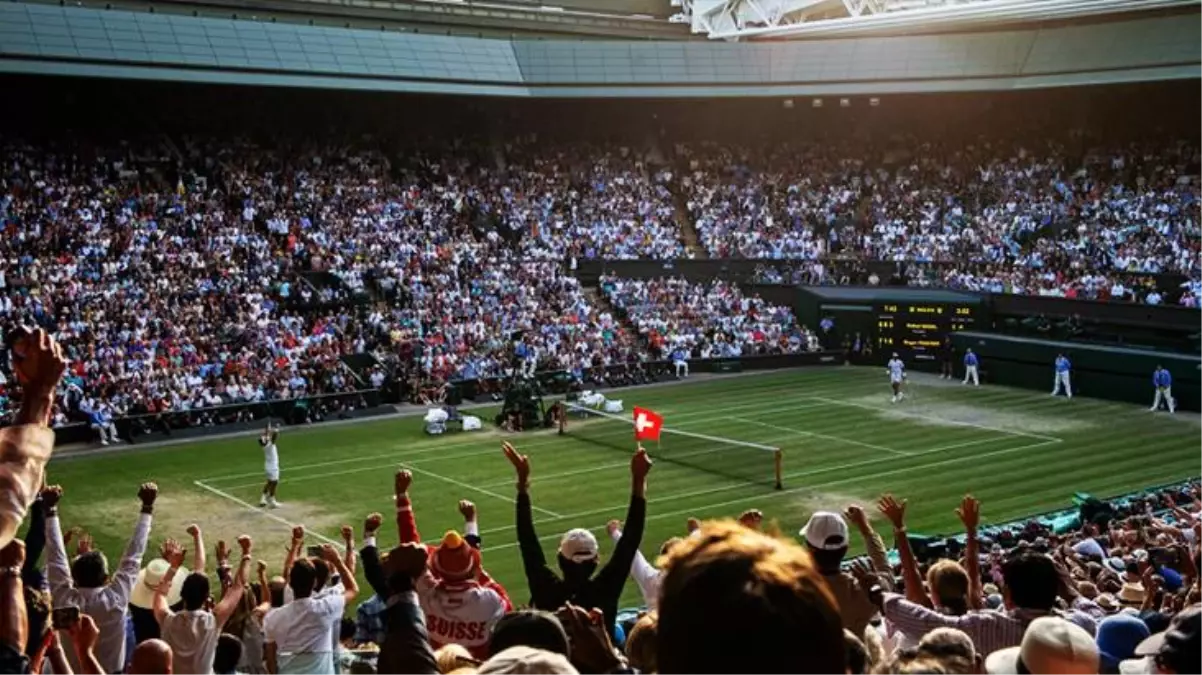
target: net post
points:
(777, 461)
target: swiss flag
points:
(647, 424)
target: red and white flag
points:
(647, 424)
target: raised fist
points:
(51, 496)
(148, 492)
(402, 481)
(245, 543)
(298, 533)
(640, 464)
(348, 535)
(372, 523)
(613, 526)
(37, 359)
(193, 530)
(467, 509)
(13, 555)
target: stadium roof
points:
(794, 19)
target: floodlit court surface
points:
(1020, 452)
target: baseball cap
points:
(527, 660)
(1050, 645)
(578, 545)
(1179, 646)
(825, 531)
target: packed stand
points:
(1014, 219)
(706, 320)
(586, 202)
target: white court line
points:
(837, 439)
(965, 444)
(758, 498)
(397, 459)
(263, 512)
(483, 491)
(941, 420)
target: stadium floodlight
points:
(817, 103)
(845, 103)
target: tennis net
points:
(730, 458)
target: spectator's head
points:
(228, 654)
(1031, 581)
(529, 628)
(951, 647)
(1050, 645)
(641, 644)
(195, 591)
(949, 586)
(826, 539)
(90, 570)
(275, 589)
(452, 657)
(1118, 636)
(527, 660)
(303, 578)
(1178, 649)
(729, 585)
(321, 573)
(578, 554)
(150, 657)
(455, 559)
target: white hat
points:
(522, 659)
(149, 579)
(578, 545)
(826, 531)
(1050, 645)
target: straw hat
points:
(149, 579)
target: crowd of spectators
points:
(1115, 590)
(714, 320)
(1032, 218)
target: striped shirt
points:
(989, 630)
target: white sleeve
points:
(646, 576)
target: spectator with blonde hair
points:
(730, 586)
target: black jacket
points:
(548, 591)
(406, 647)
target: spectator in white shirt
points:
(192, 633)
(298, 634)
(86, 583)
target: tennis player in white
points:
(271, 466)
(897, 375)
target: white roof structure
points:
(795, 19)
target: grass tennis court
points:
(1020, 452)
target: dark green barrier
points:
(1099, 371)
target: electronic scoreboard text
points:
(917, 330)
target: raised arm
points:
(35, 539)
(131, 561)
(970, 514)
(58, 572)
(294, 549)
(229, 602)
(614, 572)
(174, 554)
(643, 572)
(373, 571)
(348, 553)
(406, 648)
(406, 524)
(198, 546)
(873, 544)
(14, 627)
(532, 552)
(350, 586)
(26, 447)
(895, 511)
(471, 527)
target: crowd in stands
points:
(1115, 590)
(223, 271)
(714, 320)
(1030, 218)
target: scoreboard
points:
(917, 330)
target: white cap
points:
(826, 531)
(1050, 645)
(578, 545)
